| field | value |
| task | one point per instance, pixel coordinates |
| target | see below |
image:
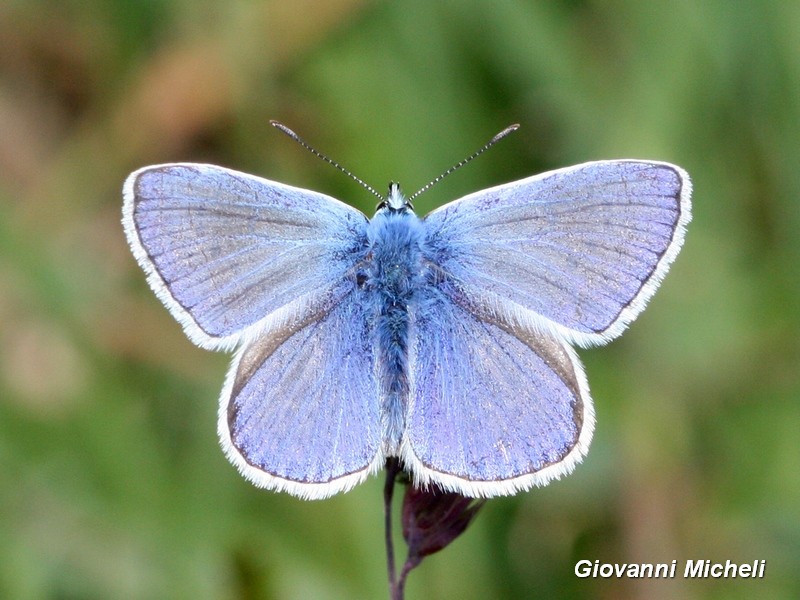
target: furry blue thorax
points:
(392, 281)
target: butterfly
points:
(444, 341)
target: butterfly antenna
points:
(472, 156)
(319, 154)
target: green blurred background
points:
(112, 484)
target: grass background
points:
(112, 484)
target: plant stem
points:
(392, 468)
(400, 586)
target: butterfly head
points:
(395, 201)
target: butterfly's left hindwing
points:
(300, 410)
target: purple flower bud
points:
(432, 519)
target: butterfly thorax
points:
(392, 283)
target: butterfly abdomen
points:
(393, 278)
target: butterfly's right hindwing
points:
(494, 408)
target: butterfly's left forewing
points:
(225, 250)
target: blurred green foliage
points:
(112, 484)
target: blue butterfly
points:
(444, 341)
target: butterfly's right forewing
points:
(577, 251)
